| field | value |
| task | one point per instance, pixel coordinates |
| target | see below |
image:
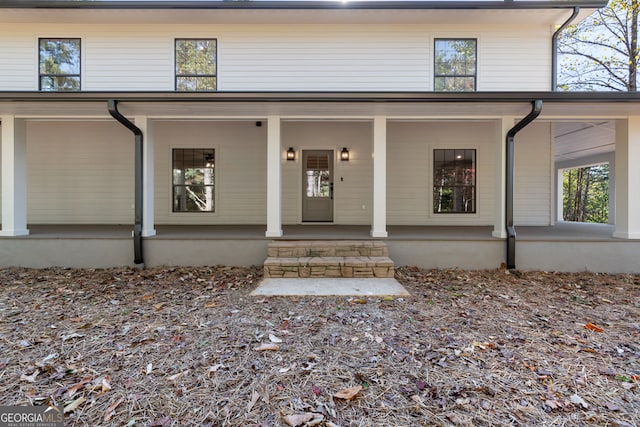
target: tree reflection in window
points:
(196, 65)
(59, 66)
(455, 65)
(318, 175)
(193, 180)
(454, 181)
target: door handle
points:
(331, 190)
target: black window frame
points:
(456, 186)
(435, 66)
(209, 161)
(41, 75)
(177, 76)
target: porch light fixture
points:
(344, 155)
(291, 154)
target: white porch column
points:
(627, 178)
(274, 178)
(148, 186)
(14, 177)
(379, 220)
(500, 157)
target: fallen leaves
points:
(267, 347)
(30, 378)
(593, 327)
(469, 348)
(308, 419)
(348, 393)
(274, 338)
(73, 390)
(178, 375)
(74, 405)
(111, 410)
(577, 400)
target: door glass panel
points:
(318, 176)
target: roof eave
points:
(304, 5)
(10, 96)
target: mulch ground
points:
(189, 346)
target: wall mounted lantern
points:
(291, 154)
(344, 154)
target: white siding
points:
(533, 169)
(353, 185)
(359, 57)
(324, 58)
(129, 60)
(19, 58)
(79, 173)
(240, 170)
(514, 59)
(410, 168)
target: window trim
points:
(476, 212)
(475, 70)
(216, 183)
(80, 57)
(175, 64)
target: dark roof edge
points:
(12, 96)
(293, 4)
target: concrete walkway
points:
(330, 286)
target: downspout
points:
(554, 49)
(137, 228)
(510, 178)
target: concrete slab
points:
(331, 286)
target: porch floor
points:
(558, 232)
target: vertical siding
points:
(282, 57)
(79, 173)
(240, 172)
(533, 169)
(353, 185)
(410, 167)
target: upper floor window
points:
(455, 65)
(59, 61)
(454, 181)
(196, 65)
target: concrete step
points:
(329, 266)
(327, 248)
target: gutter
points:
(303, 4)
(554, 48)
(112, 106)
(510, 178)
(320, 96)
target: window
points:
(59, 61)
(193, 180)
(455, 65)
(454, 181)
(196, 65)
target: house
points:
(196, 132)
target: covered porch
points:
(561, 247)
(387, 191)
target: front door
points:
(317, 186)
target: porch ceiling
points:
(584, 139)
(70, 109)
